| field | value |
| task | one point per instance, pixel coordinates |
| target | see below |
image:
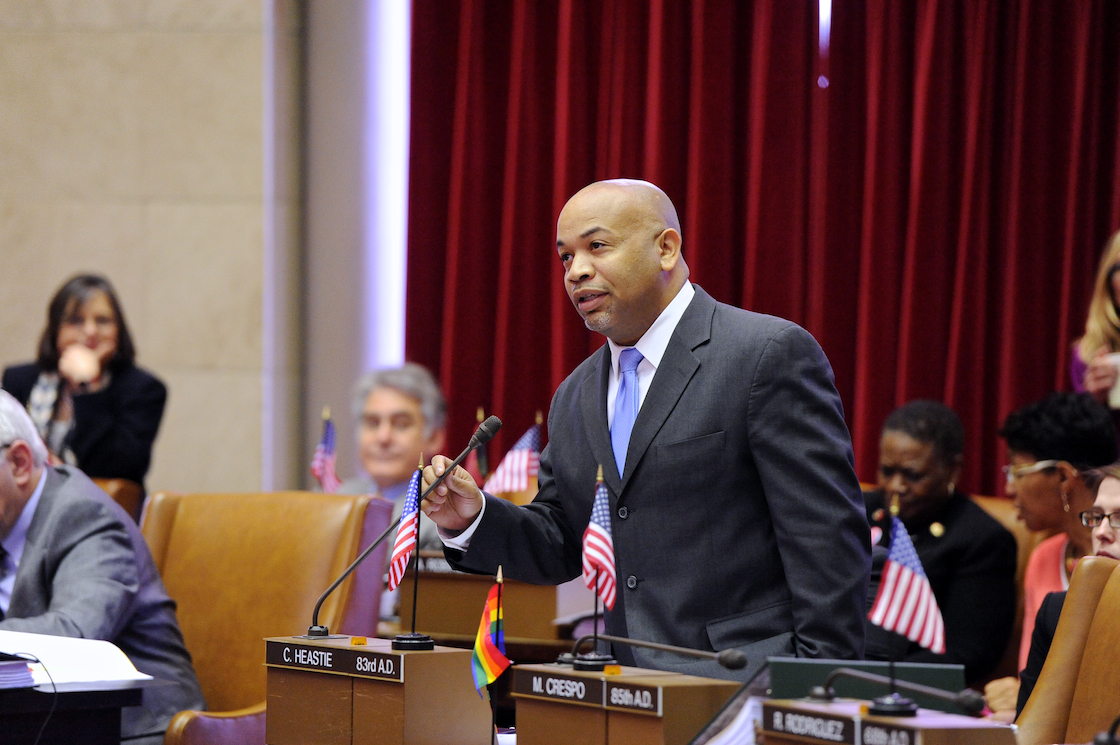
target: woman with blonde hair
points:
(1093, 369)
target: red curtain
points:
(928, 194)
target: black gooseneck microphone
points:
(971, 702)
(732, 659)
(481, 436)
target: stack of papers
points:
(15, 672)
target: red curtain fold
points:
(928, 195)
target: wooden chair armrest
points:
(217, 728)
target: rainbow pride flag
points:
(489, 658)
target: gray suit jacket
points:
(738, 520)
(86, 572)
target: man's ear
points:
(23, 462)
(669, 247)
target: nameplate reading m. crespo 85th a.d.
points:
(558, 687)
(341, 660)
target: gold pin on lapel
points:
(937, 530)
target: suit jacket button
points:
(631, 581)
(622, 513)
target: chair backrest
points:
(243, 567)
(363, 611)
(1096, 697)
(1047, 714)
(127, 494)
(1005, 512)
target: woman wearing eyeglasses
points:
(1103, 519)
(92, 405)
(1050, 444)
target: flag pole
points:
(502, 637)
(594, 660)
(480, 452)
(414, 641)
(416, 562)
(893, 704)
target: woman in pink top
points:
(1049, 444)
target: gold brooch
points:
(937, 529)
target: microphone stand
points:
(732, 659)
(482, 435)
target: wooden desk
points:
(332, 692)
(82, 714)
(452, 602)
(557, 706)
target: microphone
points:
(482, 435)
(732, 659)
(971, 702)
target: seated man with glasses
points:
(967, 555)
(1103, 519)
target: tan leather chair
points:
(127, 494)
(1078, 690)
(1005, 512)
(245, 566)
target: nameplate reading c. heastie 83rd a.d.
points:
(340, 660)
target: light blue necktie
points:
(625, 405)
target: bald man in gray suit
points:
(736, 515)
(75, 564)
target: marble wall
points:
(148, 141)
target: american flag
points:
(322, 463)
(406, 532)
(520, 464)
(905, 603)
(598, 547)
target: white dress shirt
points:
(652, 346)
(15, 542)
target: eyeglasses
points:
(1015, 472)
(1093, 518)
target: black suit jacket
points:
(971, 568)
(737, 521)
(114, 428)
(1045, 626)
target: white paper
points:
(71, 660)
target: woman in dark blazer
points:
(90, 402)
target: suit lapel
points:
(593, 406)
(677, 368)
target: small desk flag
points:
(598, 546)
(406, 532)
(322, 463)
(905, 603)
(519, 465)
(489, 658)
